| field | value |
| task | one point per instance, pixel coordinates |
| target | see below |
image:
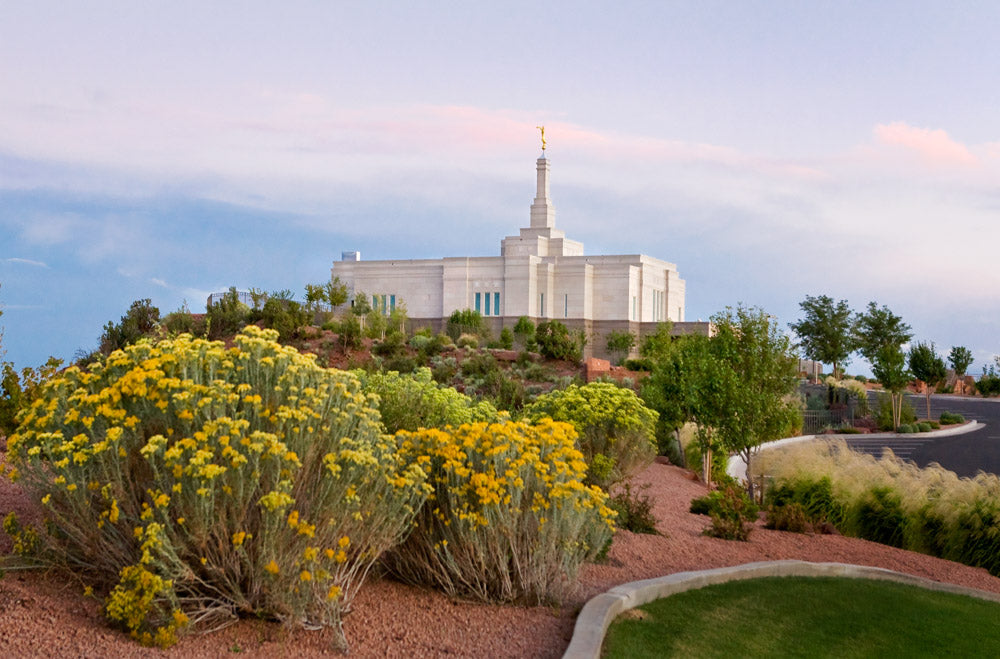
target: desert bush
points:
(791, 517)
(948, 418)
(443, 369)
(923, 426)
(413, 401)
(227, 316)
(349, 332)
(732, 514)
(889, 500)
(506, 339)
(617, 432)
(141, 319)
(467, 341)
(204, 483)
(906, 428)
(284, 314)
(182, 322)
(509, 518)
(641, 364)
(634, 509)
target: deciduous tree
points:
(960, 359)
(926, 365)
(825, 331)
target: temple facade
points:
(540, 273)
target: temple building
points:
(540, 273)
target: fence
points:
(814, 421)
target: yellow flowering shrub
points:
(617, 432)
(209, 482)
(509, 517)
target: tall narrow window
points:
(541, 305)
(565, 305)
(392, 303)
(635, 307)
(496, 303)
(487, 305)
(479, 302)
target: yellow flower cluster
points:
(502, 485)
(252, 460)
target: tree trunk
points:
(927, 394)
(706, 466)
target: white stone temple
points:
(540, 274)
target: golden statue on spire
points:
(542, 128)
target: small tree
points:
(465, 321)
(555, 341)
(524, 332)
(620, 344)
(889, 368)
(227, 316)
(336, 292)
(926, 365)
(825, 331)
(960, 359)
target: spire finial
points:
(542, 128)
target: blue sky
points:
(772, 150)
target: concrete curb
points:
(737, 468)
(598, 614)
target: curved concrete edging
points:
(737, 468)
(600, 611)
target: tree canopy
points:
(926, 365)
(960, 359)
(825, 331)
(879, 328)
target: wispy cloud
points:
(934, 146)
(32, 262)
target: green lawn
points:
(810, 617)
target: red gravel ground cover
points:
(44, 615)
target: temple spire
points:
(543, 213)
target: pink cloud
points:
(935, 146)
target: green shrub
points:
(227, 316)
(506, 339)
(211, 482)
(949, 418)
(393, 345)
(884, 413)
(468, 341)
(141, 320)
(443, 370)
(732, 514)
(815, 497)
(906, 428)
(634, 509)
(790, 517)
(878, 516)
(413, 401)
(465, 321)
(524, 332)
(923, 426)
(509, 518)
(612, 422)
(284, 314)
(848, 430)
(641, 364)
(182, 322)
(555, 342)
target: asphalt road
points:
(964, 454)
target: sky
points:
(772, 150)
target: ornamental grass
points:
(199, 483)
(930, 510)
(509, 517)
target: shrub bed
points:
(199, 483)
(929, 510)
